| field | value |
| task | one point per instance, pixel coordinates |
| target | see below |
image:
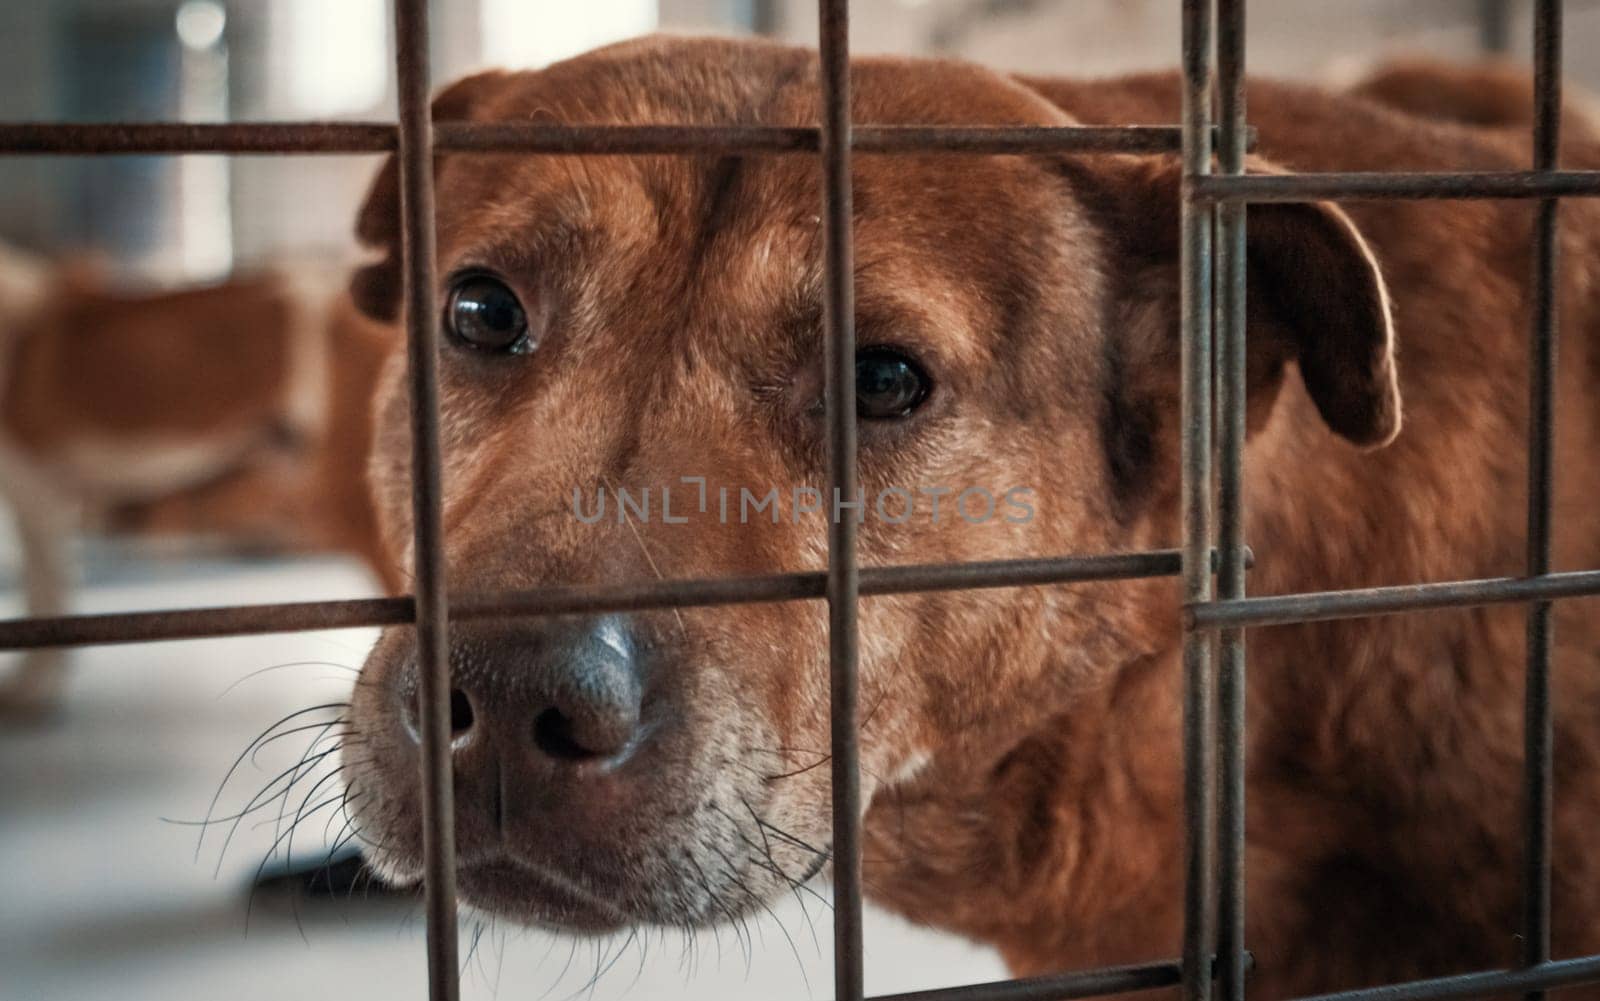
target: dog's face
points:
(630, 325)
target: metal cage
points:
(1211, 562)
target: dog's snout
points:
(561, 695)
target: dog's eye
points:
(888, 384)
(484, 314)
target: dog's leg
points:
(34, 687)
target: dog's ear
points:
(375, 288)
(1317, 295)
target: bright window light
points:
(338, 63)
(531, 33)
(201, 23)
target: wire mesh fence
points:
(1211, 138)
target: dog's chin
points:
(505, 886)
(534, 896)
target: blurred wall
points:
(1298, 38)
(182, 219)
(167, 219)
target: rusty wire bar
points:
(1538, 724)
(1059, 987)
(603, 140)
(1231, 380)
(427, 491)
(291, 138)
(1488, 984)
(1199, 795)
(843, 588)
(221, 138)
(247, 620)
(1372, 185)
(1318, 606)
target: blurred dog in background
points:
(235, 411)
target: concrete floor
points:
(103, 898)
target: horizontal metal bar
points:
(602, 140)
(1320, 605)
(245, 620)
(201, 623)
(1060, 987)
(1376, 185)
(127, 138)
(1561, 973)
(100, 139)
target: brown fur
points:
(313, 496)
(207, 370)
(1493, 93)
(70, 363)
(1020, 748)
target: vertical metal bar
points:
(1494, 26)
(433, 660)
(1231, 346)
(1538, 731)
(843, 575)
(1198, 734)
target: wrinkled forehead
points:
(746, 228)
(697, 243)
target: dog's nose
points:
(563, 694)
(592, 700)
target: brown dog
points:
(239, 411)
(309, 495)
(623, 324)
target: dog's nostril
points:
(460, 712)
(461, 715)
(555, 735)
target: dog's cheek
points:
(996, 664)
(382, 788)
(897, 652)
(770, 696)
(389, 465)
